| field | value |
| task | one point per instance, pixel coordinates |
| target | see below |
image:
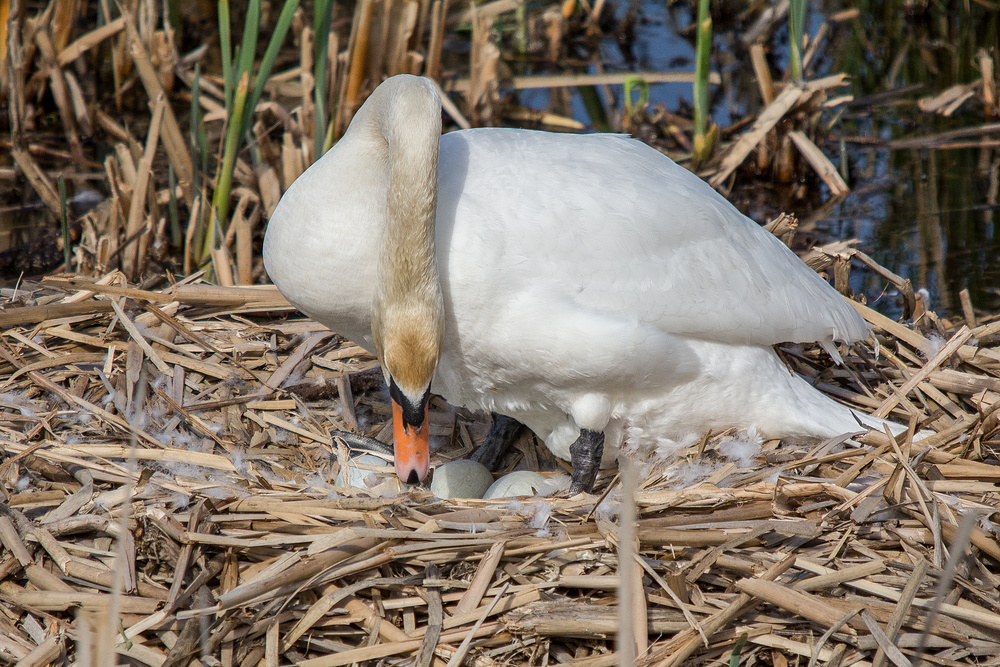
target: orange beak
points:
(411, 446)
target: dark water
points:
(926, 213)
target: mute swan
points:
(585, 285)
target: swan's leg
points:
(503, 432)
(586, 455)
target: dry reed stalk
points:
(942, 355)
(820, 163)
(13, 317)
(173, 140)
(307, 112)
(292, 161)
(88, 288)
(244, 226)
(357, 60)
(949, 101)
(899, 613)
(61, 23)
(488, 10)
(461, 85)
(5, 23)
(481, 581)
(763, 73)
(685, 643)
(60, 92)
(132, 257)
(484, 80)
(81, 113)
(548, 619)
(89, 40)
(791, 95)
(542, 118)
(799, 604)
(439, 14)
(44, 653)
(633, 637)
(451, 109)
(127, 154)
(270, 188)
(967, 311)
(989, 83)
(402, 23)
(222, 267)
(36, 177)
(773, 113)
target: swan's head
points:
(408, 348)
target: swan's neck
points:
(408, 310)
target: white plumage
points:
(588, 282)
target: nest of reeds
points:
(169, 480)
(169, 456)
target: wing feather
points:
(609, 224)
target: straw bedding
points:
(170, 494)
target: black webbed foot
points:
(586, 454)
(502, 434)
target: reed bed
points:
(168, 425)
(170, 491)
(188, 161)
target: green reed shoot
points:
(633, 83)
(322, 15)
(703, 138)
(241, 99)
(521, 29)
(199, 150)
(199, 137)
(796, 27)
(595, 108)
(734, 656)
(227, 53)
(174, 12)
(224, 182)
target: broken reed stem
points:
(630, 641)
(360, 29)
(38, 180)
(173, 139)
(60, 93)
(131, 258)
(64, 224)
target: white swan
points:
(584, 285)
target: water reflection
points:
(934, 223)
(22, 224)
(927, 213)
